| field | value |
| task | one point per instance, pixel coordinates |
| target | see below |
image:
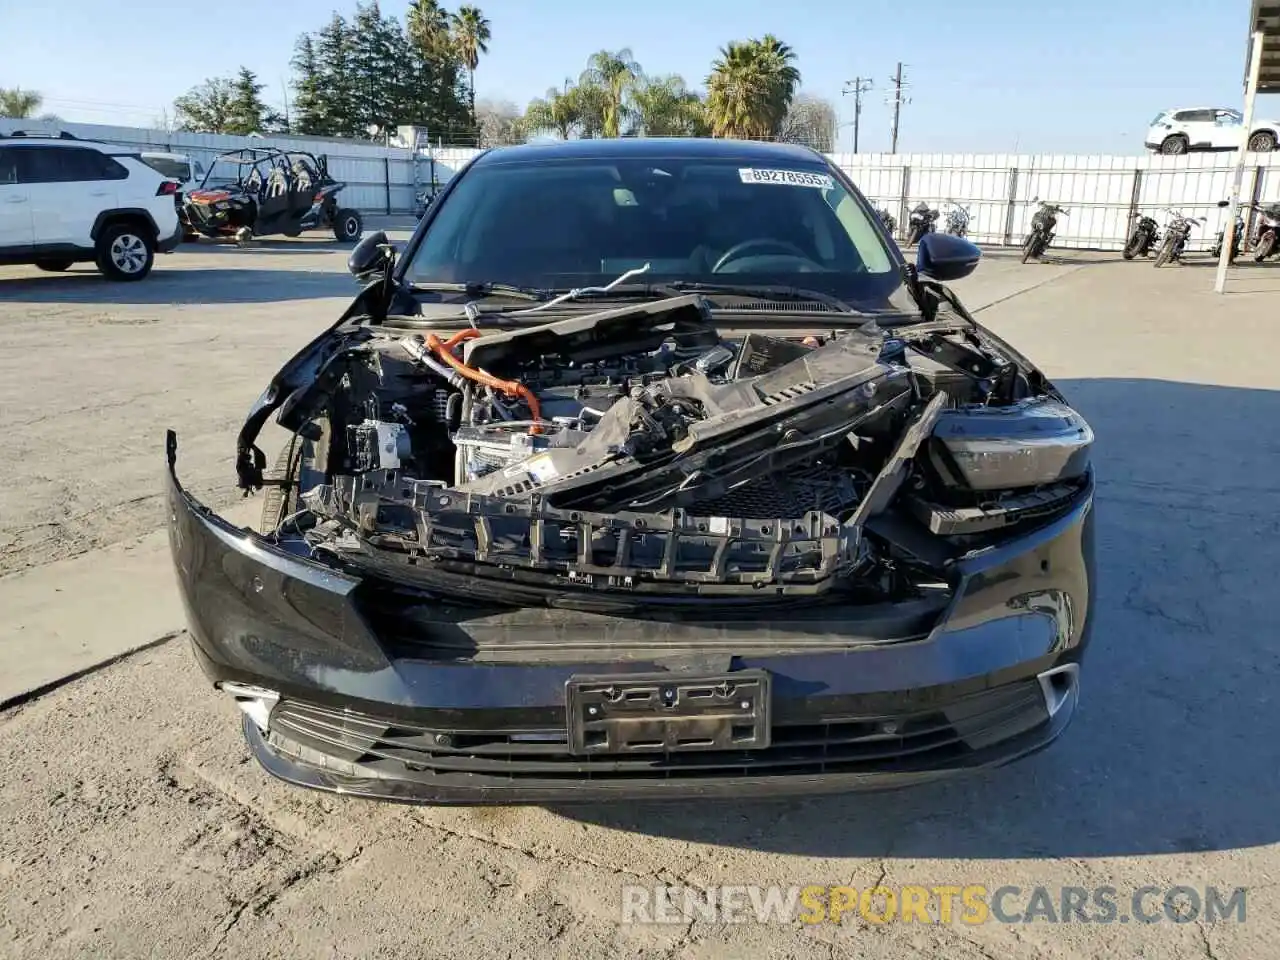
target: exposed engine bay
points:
(639, 448)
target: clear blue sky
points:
(1080, 76)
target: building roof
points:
(1266, 18)
(655, 148)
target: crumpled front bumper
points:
(358, 715)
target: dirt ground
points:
(133, 822)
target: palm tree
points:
(558, 111)
(18, 103)
(750, 88)
(428, 27)
(665, 107)
(471, 37)
(614, 74)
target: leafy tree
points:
(750, 88)
(471, 36)
(608, 80)
(18, 103)
(498, 123)
(811, 120)
(206, 108)
(665, 107)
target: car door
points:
(68, 190)
(15, 207)
(1197, 125)
(1226, 129)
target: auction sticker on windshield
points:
(793, 178)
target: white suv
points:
(1208, 128)
(65, 201)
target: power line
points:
(896, 100)
(857, 86)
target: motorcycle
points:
(1175, 236)
(1216, 250)
(1265, 235)
(921, 222)
(957, 219)
(1144, 236)
(1042, 225)
(886, 218)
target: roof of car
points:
(747, 151)
(12, 141)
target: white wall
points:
(1098, 191)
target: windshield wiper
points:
(675, 288)
(482, 289)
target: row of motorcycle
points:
(1144, 237)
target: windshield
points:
(559, 224)
(1159, 118)
(227, 171)
(168, 167)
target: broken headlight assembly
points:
(992, 467)
(1028, 444)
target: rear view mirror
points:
(945, 257)
(370, 256)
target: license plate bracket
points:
(668, 713)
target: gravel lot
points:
(133, 823)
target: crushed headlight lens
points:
(1026, 444)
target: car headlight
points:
(1027, 444)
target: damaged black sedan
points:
(649, 468)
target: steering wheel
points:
(737, 251)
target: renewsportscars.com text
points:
(939, 904)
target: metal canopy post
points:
(1237, 178)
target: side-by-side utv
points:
(262, 191)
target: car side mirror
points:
(1224, 203)
(944, 257)
(370, 256)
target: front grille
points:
(361, 746)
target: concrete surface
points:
(133, 823)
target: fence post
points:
(386, 180)
(1010, 206)
(902, 205)
(1134, 196)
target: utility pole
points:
(896, 100)
(857, 86)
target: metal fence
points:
(1101, 193)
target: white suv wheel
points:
(128, 253)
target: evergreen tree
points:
(308, 93)
(246, 112)
(338, 100)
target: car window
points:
(8, 166)
(168, 167)
(1159, 118)
(1228, 117)
(66, 165)
(566, 223)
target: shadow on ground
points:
(83, 284)
(1172, 749)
